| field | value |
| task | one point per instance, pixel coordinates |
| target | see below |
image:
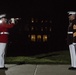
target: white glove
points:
(0, 21)
(12, 20)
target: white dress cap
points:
(2, 15)
(71, 12)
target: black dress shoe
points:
(72, 68)
(4, 68)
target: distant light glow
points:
(50, 21)
(29, 36)
(32, 20)
(32, 28)
(41, 29)
(38, 36)
(33, 38)
(45, 38)
(42, 21)
(50, 29)
(45, 27)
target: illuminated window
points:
(39, 37)
(33, 38)
(32, 20)
(29, 36)
(32, 28)
(42, 21)
(50, 29)
(44, 38)
(45, 27)
(41, 29)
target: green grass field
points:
(59, 57)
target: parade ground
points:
(34, 69)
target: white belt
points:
(74, 43)
(4, 33)
(70, 32)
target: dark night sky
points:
(36, 7)
(30, 6)
(54, 9)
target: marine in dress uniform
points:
(4, 27)
(72, 38)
